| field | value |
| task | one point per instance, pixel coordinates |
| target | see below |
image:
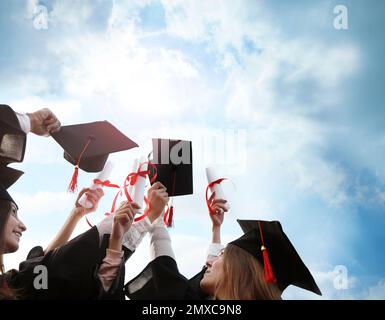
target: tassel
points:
(268, 270)
(74, 181)
(169, 217)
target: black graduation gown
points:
(14, 139)
(161, 280)
(72, 271)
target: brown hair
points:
(5, 210)
(243, 278)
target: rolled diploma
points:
(140, 185)
(212, 175)
(102, 176)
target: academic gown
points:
(72, 271)
(161, 280)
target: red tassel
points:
(74, 181)
(268, 270)
(169, 217)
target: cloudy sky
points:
(269, 92)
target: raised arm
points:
(217, 215)
(122, 222)
(76, 214)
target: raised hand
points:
(218, 210)
(43, 122)
(93, 196)
(157, 200)
(123, 218)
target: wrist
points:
(116, 235)
(115, 241)
(32, 120)
(216, 234)
(78, 212)
(153, 215)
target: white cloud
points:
(43, 202)
(115, 75)
(326, 283)
(376, 292)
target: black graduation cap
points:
(173, 161)
(8, 176)
(266, 241)
(88, 145)
(12, 137)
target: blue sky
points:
(302, 101)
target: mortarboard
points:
(88, 145)
(8, 176)
(287, 267)
(173, 161)
(12, 137)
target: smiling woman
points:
(10, 233)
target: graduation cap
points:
(173, 161)
(12, 137)
(266, 241)
(88, 145)
(8, 176)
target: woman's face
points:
(213, 275)
(13, 231)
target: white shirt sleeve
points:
(132, 237)
(160, 244)
(105, 226)
(214, 251)
(136, 233)
(25, 122)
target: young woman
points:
(87, 267)
(258, 265)
(20, 283)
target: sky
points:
(281, 102)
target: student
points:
(79, 269)
(258, 265)
(19, 283)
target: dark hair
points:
(5, 210)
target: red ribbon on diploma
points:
(209, 186)
(130, 180)
(106, 184)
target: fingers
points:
(219, 201)
(157, 185)
(220, 206)
(49, 120)
(54, 127)
(125, 205)
(84, 190)
(125, 213)
(135, 205)
(162, 192)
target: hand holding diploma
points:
(216, 188)
(85, 201)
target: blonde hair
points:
(243, 278)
